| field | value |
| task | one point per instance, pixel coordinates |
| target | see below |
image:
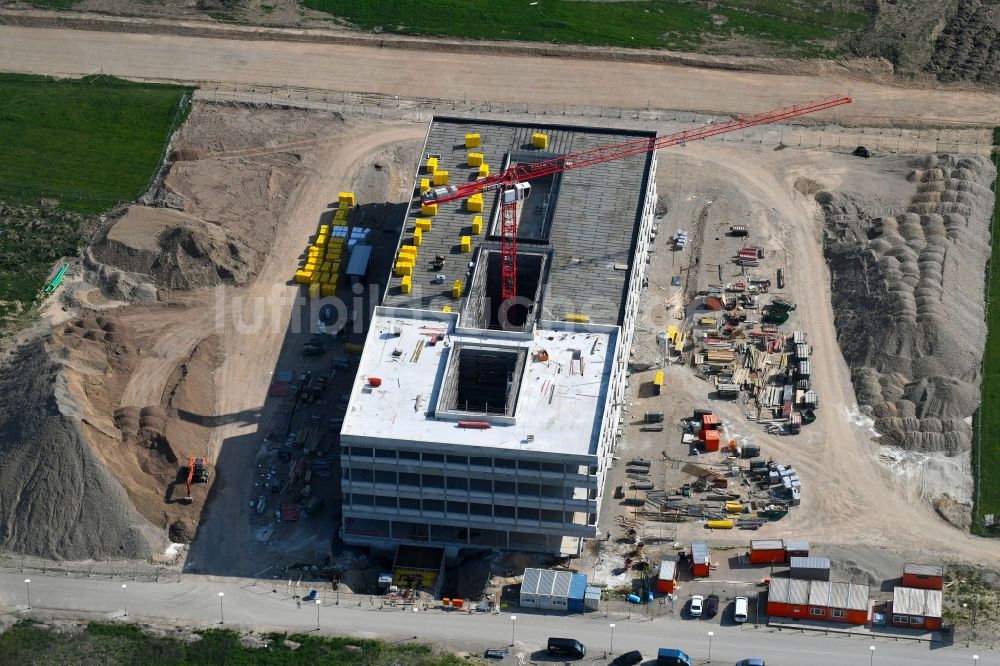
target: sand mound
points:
(57, 499)
(908, 297)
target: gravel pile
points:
(908, 293)
(57, 500)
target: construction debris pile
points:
(742, 351)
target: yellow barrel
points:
(477, 225)
(539, 140)
(734, 507)
(346, 199)
(474, 204)
(406, 285)
(429, 209)
(720, 524)
(472, 140)
(466, 243)
(440, 177)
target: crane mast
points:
(514, 181)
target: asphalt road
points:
(486, 76)
(194, 601)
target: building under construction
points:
(476, 424)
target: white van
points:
(741, 609)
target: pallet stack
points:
(324, 257)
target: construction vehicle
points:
(197, 473)
(514, 186)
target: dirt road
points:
(497, 78)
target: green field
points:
(986, 447)
(796, 28)
(89, 143)
(111, 644)
(84, 145)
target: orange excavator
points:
(197, 473)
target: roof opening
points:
(482, 380)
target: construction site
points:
(453, 347)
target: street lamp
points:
(612, 625)
(27, 587)
(124, 600)
(318, 602)
(222, 618)
(871, 653)
(513, 619)
(710, 634)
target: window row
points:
(407, 479)
(476, 461)
(463, 509)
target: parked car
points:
(628, 659)
(697, 605)
(672, 657)
(750, 662)
(569, 647)
(711, 605)
(496, 653)
(741, 610)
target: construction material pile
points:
(908, 297)
(57, 498)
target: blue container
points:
(577, 591)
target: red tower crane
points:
(514, 180)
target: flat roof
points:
(809, 562)
(914, 601)
(560, 402)
(923, 569)
(847, 596)
(767, 544)
(591, 231)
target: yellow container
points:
(474, 159)
(404, 268)
(539, 140)
(335, 268)
(346, 199)
(472, 140)
(408, 255)
(734, 507)
(720, 524)
(477, 225)
(321, 241)
(429, 209)
(408, 249)
(577, 318)
(658, 379)
(328, 290)
(326, 266)
(354, 348)
(424, 224)
(484, 171)
(474, 204)
(456, 289)
(466, 243)
(425, 184)
(446, 308)
(314, 278)
(340, 215)
(406, 285)
(314, 290)
(432, 165)
(440, 177)
(324, 278)
(324, 229)
(302, 277)
(309, 268)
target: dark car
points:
(568, 647)
(750, 662)
(711, 605)
(496, 653)
(628, 659)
